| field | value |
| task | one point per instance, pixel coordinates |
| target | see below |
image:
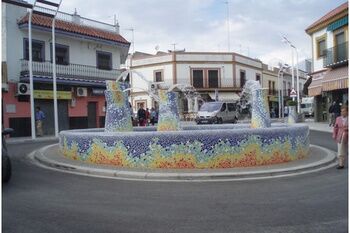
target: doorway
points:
(92, 115)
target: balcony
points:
(205, 85)
(70, 71)
(336, 56)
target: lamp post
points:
(133, 38)
(285, 40)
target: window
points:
(104, 60)
(258, 78)
(321, 46)
(273, 87)
(242, 78)
(231, 107)
(158, 76)
(197, 79)
(213, 78)
(270, 88)
(62, 54)
(38, 50)
(223, 108)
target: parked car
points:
(217, 113)
(6, 163)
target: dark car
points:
(6, 163)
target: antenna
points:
(174, 46)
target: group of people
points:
(275, 114)
(146, 117)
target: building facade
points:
(329, 38)
(88, 52)
(213, 75)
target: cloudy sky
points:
(256, 26)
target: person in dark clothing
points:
(141, 115)
(331, 114)
(336, 109)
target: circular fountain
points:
(170, 146)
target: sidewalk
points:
(317, 126)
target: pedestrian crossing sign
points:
(293, 93)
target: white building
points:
(205, 71)
(88, 52)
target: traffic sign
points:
(293, 93)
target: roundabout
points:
(318, 159)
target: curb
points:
(325, 163)
(30, 140)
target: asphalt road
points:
(40, 200)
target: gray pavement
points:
(40, 200)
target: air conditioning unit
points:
(81, 91)
(23, 89)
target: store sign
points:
(48, 94)
(98, 91)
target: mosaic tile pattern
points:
(223, 146)
(292, 114)
(260, 107)
(169, 119)
(118, 118)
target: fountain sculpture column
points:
(169, 119)
(118, 118)
(260, 109)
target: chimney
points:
(76, 17)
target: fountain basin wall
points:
(212, 146)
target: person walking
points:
(141, 115)
(340, 134)
(147, 116)
(153, 116)
(336, 109)
(331, 114)
(39, 117)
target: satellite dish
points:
(157, 48)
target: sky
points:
(256, 26)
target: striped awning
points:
(315, 87)
(336, 79)
(337, 24)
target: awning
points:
(337, 24)
(66, 81)
(315, 87)
(336, 79)
(225, 96)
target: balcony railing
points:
(70, 70)
(336, 56)
(206, 85)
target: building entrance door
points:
(92, 115)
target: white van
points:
(307, 106)
(217, 113)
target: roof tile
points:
(44, 21)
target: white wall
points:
(203, 57)
(318, 62)
(250, 73)
(80, 51)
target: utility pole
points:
(228, 26)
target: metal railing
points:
(223, 83)
(70, 70)
(82, 21)
(336, 55)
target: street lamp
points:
(283, 67)
(286, 41)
